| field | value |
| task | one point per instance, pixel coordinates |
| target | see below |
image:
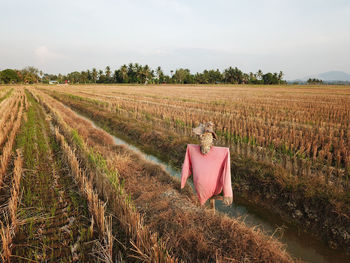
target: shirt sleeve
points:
(186, 168)
(227, 186)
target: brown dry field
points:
(289, 145)
(98, 200)
(310, 122)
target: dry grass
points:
(7, 119)
(310, 123)
(8, 230)
(15, 192)
(55, 217)
(7, 150)
(184, 225)
(10, 122)
(146, 244)
(276, 177)
(171, 213)
(96, 206)
(6, 240)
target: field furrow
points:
(55, 220)
(299, 123)
(298, 187)
(7, 120)
(165, 210)
(6, 151)
(73, 192)
(138, 242)
(9, 229)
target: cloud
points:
(43, 54)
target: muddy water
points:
(299, 244)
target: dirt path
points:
(56, 221)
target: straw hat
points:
(203, 128)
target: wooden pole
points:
(212, 203)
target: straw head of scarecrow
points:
(206, 135)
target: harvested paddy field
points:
(70, 194)
(289, 144)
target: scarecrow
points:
(210, 166)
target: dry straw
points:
(147, 243)
(306, 125)
(96, 206)
(7, 150)
(8, 230)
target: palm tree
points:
(146, 74)
(83, 77)
(88, 75)
(280, 76)
(245, 78)
(94, 75)
(100, 76)
(108, 73)
(131, 73)
(229, 75)
(138, 73)
(251, 76)
(160, 74)
(30, 74)
(124, 73)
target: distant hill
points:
(334, 76)
(330, 76)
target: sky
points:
(298, 37)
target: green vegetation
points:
(136, 73)
(314, 81)
(27, 75)
(9, 76)
(52, 218)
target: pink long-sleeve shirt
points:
(211, 171)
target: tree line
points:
(28, 75)
(314, 81)
(136, 73)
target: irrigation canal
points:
(298, 243)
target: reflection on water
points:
(298, 244)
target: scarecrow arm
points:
(227, 186)
(186, 168)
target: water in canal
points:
(298, 243)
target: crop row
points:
(326, 196)
(96, 206)
(178, 228)
(316, 131)
(145, 244)
(41, 220)
(298, 163)
(9, 131)
(8, 230)
(11, 109)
